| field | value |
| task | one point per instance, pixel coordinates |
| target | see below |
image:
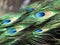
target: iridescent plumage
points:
(26, 23)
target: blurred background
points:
(14, 5)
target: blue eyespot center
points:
(38, 30)
(30, 9)
(11, 30)
(40, 14)
(6, 21)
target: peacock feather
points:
(37, 24)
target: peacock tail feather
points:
(37, 24)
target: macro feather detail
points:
(37, 24)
